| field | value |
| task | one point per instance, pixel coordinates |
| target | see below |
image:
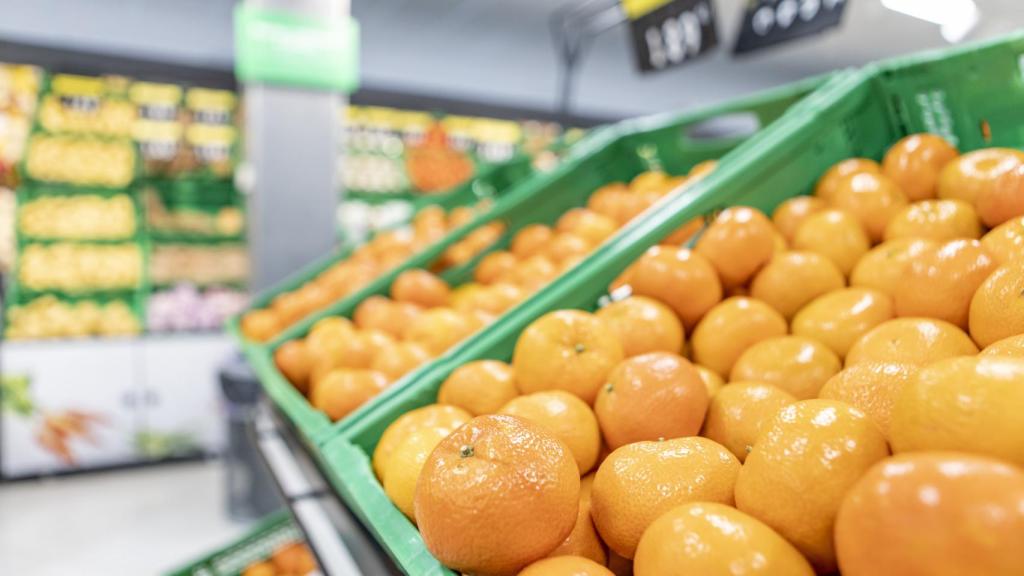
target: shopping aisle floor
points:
(136, 522)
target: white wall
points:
(492, 50)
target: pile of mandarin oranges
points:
(292, 559)
(344, 362)
(381, 254)
(835, 388)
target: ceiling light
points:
(956, 18)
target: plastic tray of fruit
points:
(56, 213)
(274, 546)
(52, 316)
(332, 271)
(79, 160)
(848, 326)
(566, 214)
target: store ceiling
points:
(492, 37)
(497, 51)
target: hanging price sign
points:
(770, 22)
(669, 33)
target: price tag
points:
(669, 33)
(770, 22)
(156, 102)
(210, 106)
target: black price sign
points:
(770, 22)
(669, 33)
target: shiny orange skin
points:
(683, 279)
(939, 220)
(997, 307)
(567, 350)
(438, 329)
(883, 267)
(1004, 199)
(826, 186)
(400, 359)
(494, 266)
(340, 392)
(834, 234)
(730, 328)
(496, 495)
(710, 539)
(644, 325)
(801, 466)
(328, 336)
(738, 243)
(583, 540)
(566, 566)
(420, 287)
(1006, 242)
(566, 245)
(838, 319)
(968, 403)
(791, 213)
(712, 381)
(639, 482)
(1012, 346)
(289, 307)
(593, 227)
(565, 417)
(445, 418)
(792, 279)
(871, 387)
(294, 558)
(915, 162)
(933, 514)
(260, 325)
(873, 199)
(919, 341)
(796, 364)
(379, 313)
(532, 273)
(531, 240)
(650, 397)
(965, 177)
(480, 387)
(739, 411)
(941, 282)
(295, 363)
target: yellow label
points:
(72, 85)
(637, 8)
(148, 131)
(209, 99)
(210, 134)
(151, 93)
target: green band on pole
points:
(288, 49)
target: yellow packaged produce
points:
(76, 267)
(81, 161)
(49, 317)
(83, 217)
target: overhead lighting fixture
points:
(955, 18)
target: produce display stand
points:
(970, 95)
(610, 155)
(492, 182)
(315, 514)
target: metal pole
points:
(292, 148)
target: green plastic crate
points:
(613, 156)
(257, 545)
(493, 182)
(854, 115)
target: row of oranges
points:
(293, 559)
(870, 422)
(381, 254)
(342, 363)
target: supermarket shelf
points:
(341, 544)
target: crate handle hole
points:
(724, 127)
